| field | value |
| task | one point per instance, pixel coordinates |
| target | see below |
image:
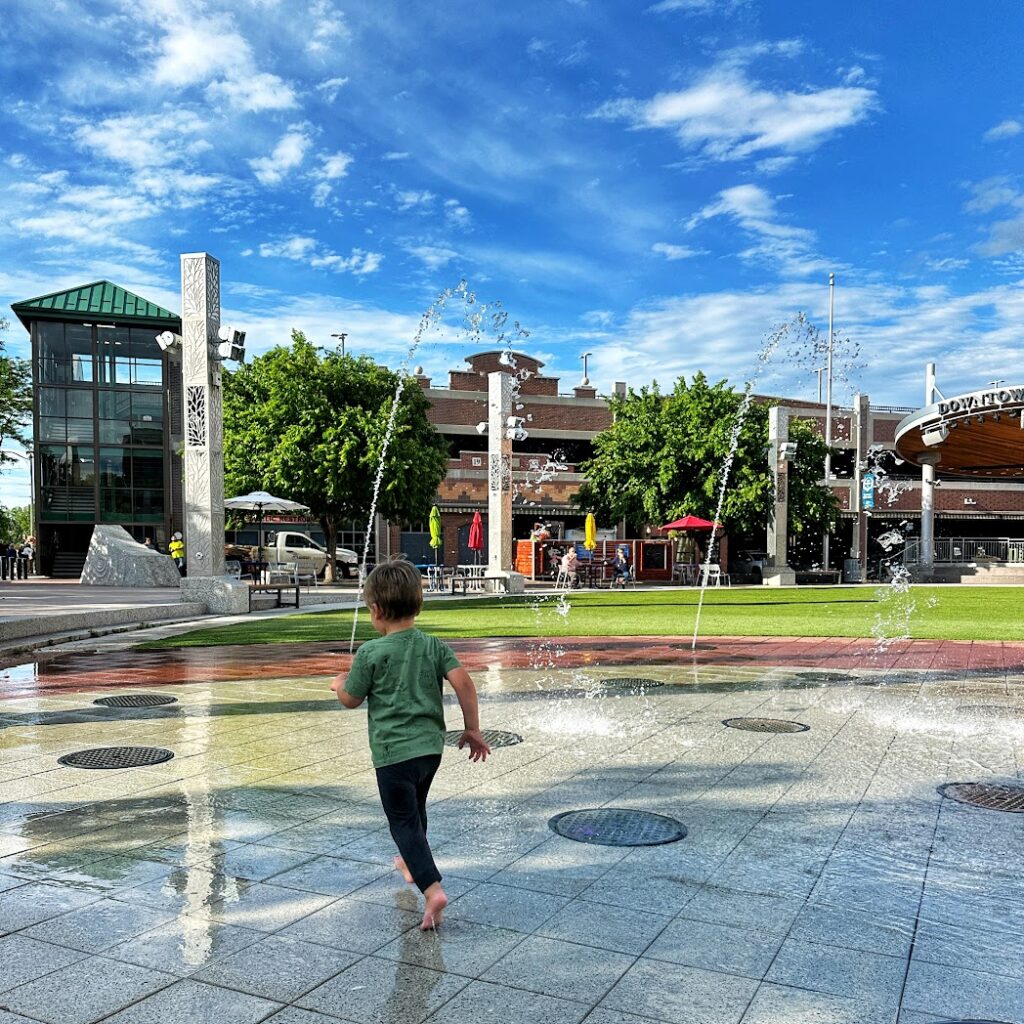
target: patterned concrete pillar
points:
(499, 477)
(777, 572)
(204, 426)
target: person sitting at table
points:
(621, 573)
(570, 566)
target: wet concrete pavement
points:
(823, 877)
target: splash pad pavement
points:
(830, 873)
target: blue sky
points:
(656, 184)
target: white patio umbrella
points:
(261, 502)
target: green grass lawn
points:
(944, 613)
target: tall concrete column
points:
(861, 425)
(778, 572)
(204, 415)
(928, 463)
(500, 391)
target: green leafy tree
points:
(664, 456)
(309, 424)
(15, 396)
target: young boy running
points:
(401, 674)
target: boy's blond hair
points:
(396, 588)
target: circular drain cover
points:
(116, 757)
(990, 795)
(136, 700)
(626, 683)
(492, 737)
(765, 725)
(617, 826)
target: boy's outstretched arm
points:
(338, 686)
(462, 683)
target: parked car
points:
(748, 566)
(289, 546)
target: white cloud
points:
(753, 209)
(433, 256)
(288, 154)
(456, 214)
(253, 93)
(334, 165)
(143, 140)
(304, 249)
(1005, 236)
(395, 156)
(725, 116)
(674, 252)
(694, 6)
(329, 28)
(410, 199)
(947, 264)
(330, 87)
(1004, 130)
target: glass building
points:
(106, 420)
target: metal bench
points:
(278, 588)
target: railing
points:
(968, 549)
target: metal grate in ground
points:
(136, 700)
(617, 826)
(492, 737)
(992, 796)
(116, 757)
(625, 683)
(765, 725)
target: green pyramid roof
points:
(91, 301)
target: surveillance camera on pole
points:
(232, 344)
(167, 340)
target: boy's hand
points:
(478, 749)
(337, 684)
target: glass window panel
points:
(115, 467)
(52, 428)
(148, 469)
(115, 432)
(83, 466)
(115, 506)
(53, 353)
(53, 462)
(80, 403)
(148, 372)
(143, 343)
(79, 345)
(147, 433)
(51, 401)
(80, 431)
(149, 404)
(112, 347)
(115, 405)
(149, 504)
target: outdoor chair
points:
(712, 576)
(233, 569)
(305, 573)
(287, 571)
(564, 580)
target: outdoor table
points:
(592, 572)
(435, 577)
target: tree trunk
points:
(330, 528)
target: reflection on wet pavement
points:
(249, 878)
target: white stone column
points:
(204, 427)
(928, 463)
(777, 572)
(500, 390)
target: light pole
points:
(819, 370)
(341, 338)
(586, 380)
(828, 410)
(27, 456)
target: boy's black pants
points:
(403, 791)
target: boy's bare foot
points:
(433, 911)
(400, 866)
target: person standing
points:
(26, 556)
(176, 549)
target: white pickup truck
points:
(285, 546)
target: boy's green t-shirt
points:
(401, 675)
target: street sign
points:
(867, 491)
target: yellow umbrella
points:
(435, 530)
(590, 532)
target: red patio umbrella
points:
(690, 523)
(476, 534)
